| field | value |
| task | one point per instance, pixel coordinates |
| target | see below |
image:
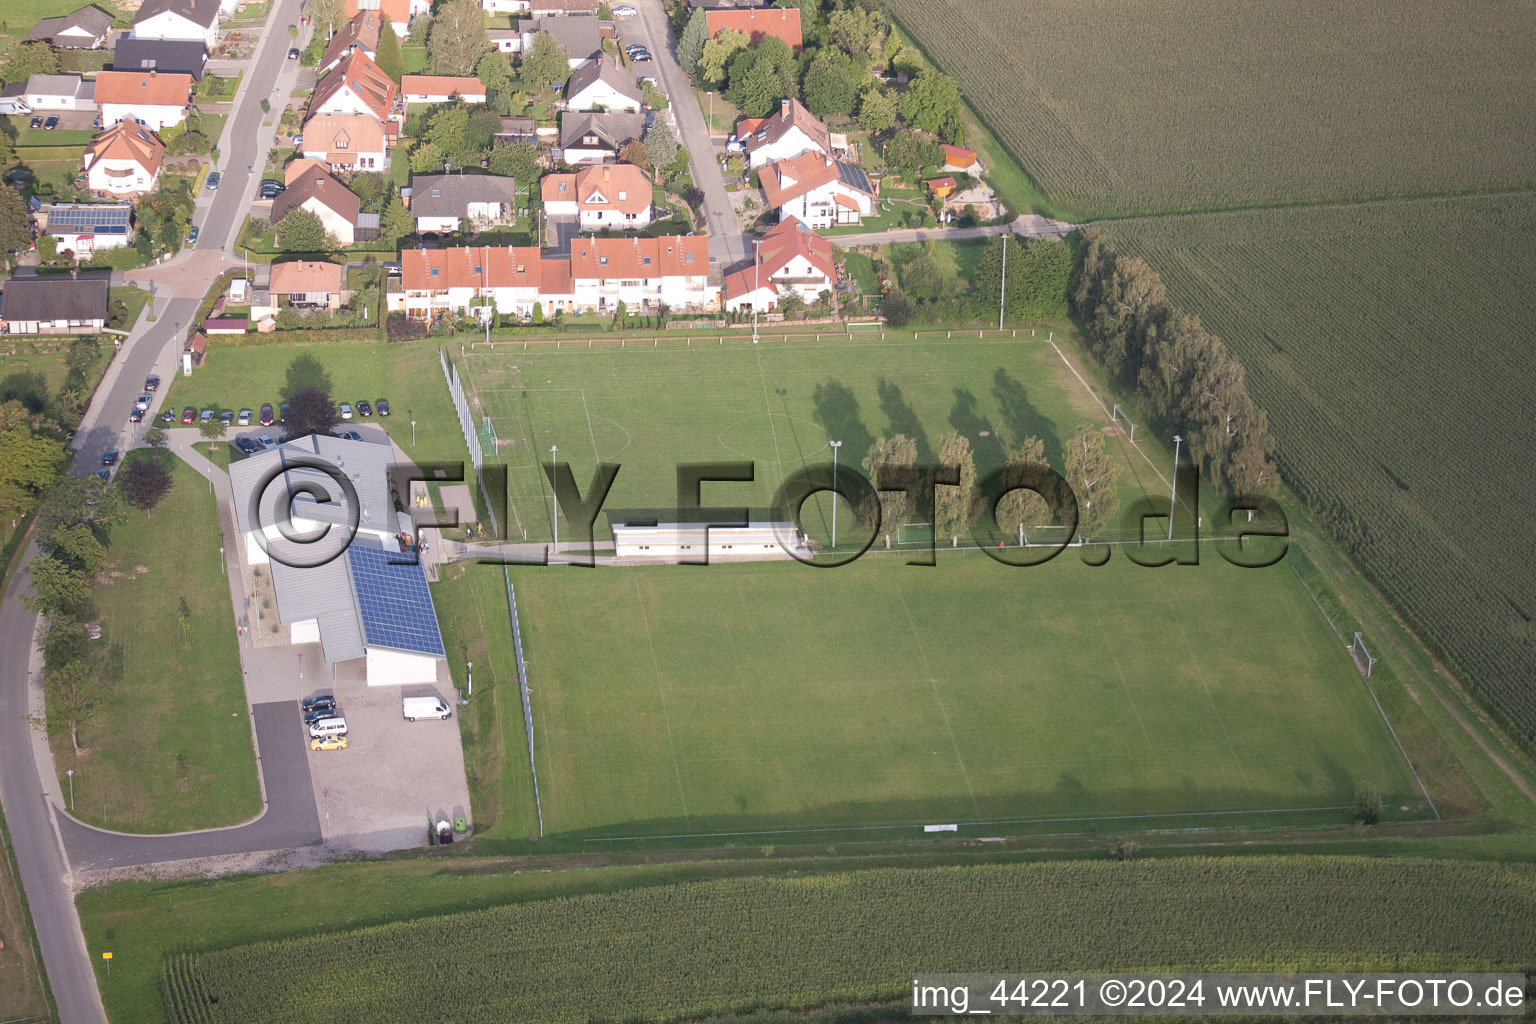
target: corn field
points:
(1135, 106)
(682, 951)
(1390, 344)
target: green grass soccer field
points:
(772, 696)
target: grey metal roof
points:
(603, 69)
(184, 56)
(449, 195)
(60, 85)
(614, 128)
(578, 34)
(56, 297)
(323, 591)
(199, 12)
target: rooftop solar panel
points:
(105, 216)
(393, 600)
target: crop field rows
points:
(733, 945)
(1141, 107)
(1394, 364)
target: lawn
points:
(134, 299)
(415, 59)
(407, 374)
(861, 269)
(183, 758)
(667, 700)
(21, 977)
(26, 136)
(1162, 107)
(45, 354)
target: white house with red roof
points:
(123, 161)
(357, 86)
(792, 131)
(150, 98)
(603, 197)
(791, 259)
(440, 89)
(819, 191)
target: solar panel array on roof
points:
(394, 602)
(854, 177)
(104, 220)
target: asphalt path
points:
(727, 244)
(290, 820)
(43, 869)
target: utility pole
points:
(1002, 290)
(757, 273)
(1173, 502)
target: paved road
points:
(1029, 225)
(152, 347)
(727, 244)
(43, 870)
(290, 820)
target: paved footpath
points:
(1029, 225)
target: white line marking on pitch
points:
(934, 683)
(662, 696)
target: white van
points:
(328, 727)
(424, 707)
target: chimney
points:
(784, 107)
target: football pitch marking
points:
(1200, 674)
(1098, 617)
(938, 698)
(661, 695)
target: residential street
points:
(727, 245)
(179, 286)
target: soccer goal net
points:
(1364, 659)
(1120, 417)
(871, 327)
(915, 533)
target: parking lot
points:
(394, 776)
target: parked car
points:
(192, 235)
(189, 415)
(310, 703)
(383, 406)
(227, 417)
(298, 142)
(52, 123)
(293, 53)
(105, 474)
(321, 712)
(244, 419)
(152, 383)
(272, 190)
(137, 416)
(345, 410)
(37, 122)
(735, 145)
(338, 742)
(393, 269)
(349, 435)
(266, 415)
(634, 48)
(364, 409)
(282, 413)
(266, 442)
(622, 11)
(207, 415)
(110, 458)
(246, 445)
(143, 402)
(640, 58)
(213, 182)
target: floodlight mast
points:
(835, 446)
(1174, 501)
(554, 497)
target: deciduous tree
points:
(520, 160)
(76, 546)
(1019, 511)
(690, 45)
(457, 40)
(660, 145)
(885, 454)
(954, 506)
(932, 104)
(56, 585)
(858, 31)
(828, 85)
(144, 482)
(397, 222)
(74, 691)
(1093, 475)
(718, 53)
(29, 462)
(15, 223)
(300, 231)
(30, 59)
(310, 411)
(546, 63)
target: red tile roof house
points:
(790, 260)
(357, 86)
(604, 197)
(397, 12)
(440, 89)
(308, 283)
(148, 98)
(819, 191)
(361, 34)
(779, 22)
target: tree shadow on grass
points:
(903, 419)
(1021, 417)
(986, 447)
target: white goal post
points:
(1118, 415)
(1363, 656)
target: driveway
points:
(289, 821)
(727, 244)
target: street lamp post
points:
(757, 273)
(835, 446)
(413, 433)
(71, 773)
(221, 560)
(554, 498)
(711, 112)
(1173, 502)
(301, 666)
(469, 667)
